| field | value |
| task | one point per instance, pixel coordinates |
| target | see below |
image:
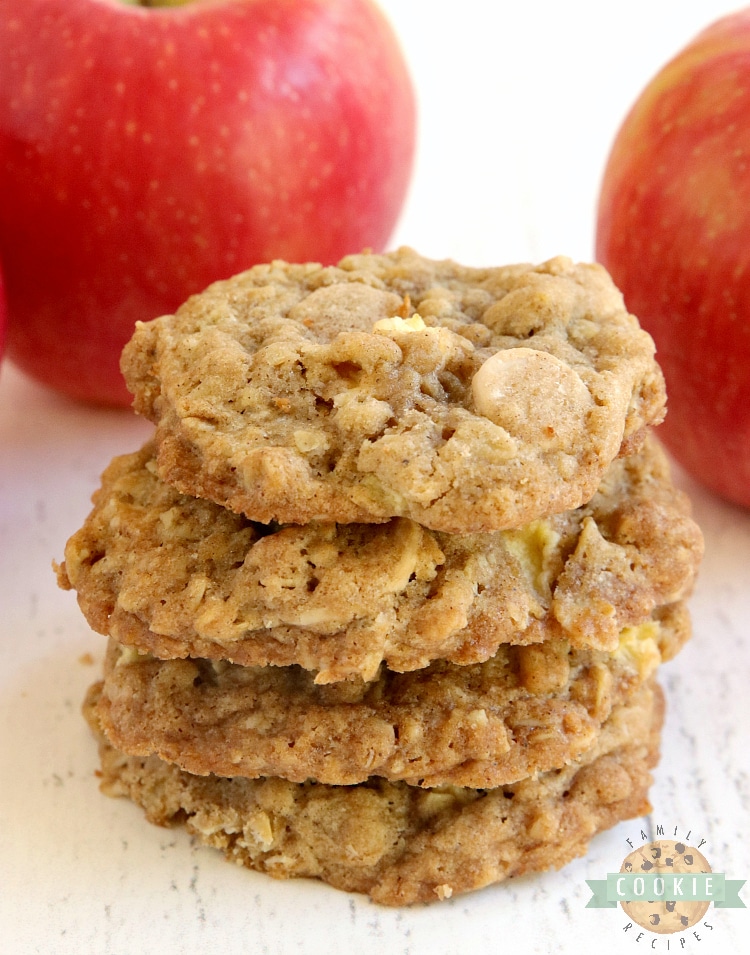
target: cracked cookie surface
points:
(468, 400)
(528, 709)
(398, 843)
(179, 576)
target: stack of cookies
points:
(387, 591)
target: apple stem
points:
(159, 3)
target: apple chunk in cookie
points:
(387, 386)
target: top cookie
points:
(468, 399)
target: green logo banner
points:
(665, 886)
(732, 898)
(599, 898)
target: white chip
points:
(533, 396)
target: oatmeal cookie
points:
(179, 576)
(527, 710)
(402, 844)
(467, 399)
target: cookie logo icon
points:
(660, 915)
(665, 887)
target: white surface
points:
(519, 102)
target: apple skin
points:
(145, 153)
(673, 229)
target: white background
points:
(518, 106)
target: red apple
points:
(145, 153)
(674, 231)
